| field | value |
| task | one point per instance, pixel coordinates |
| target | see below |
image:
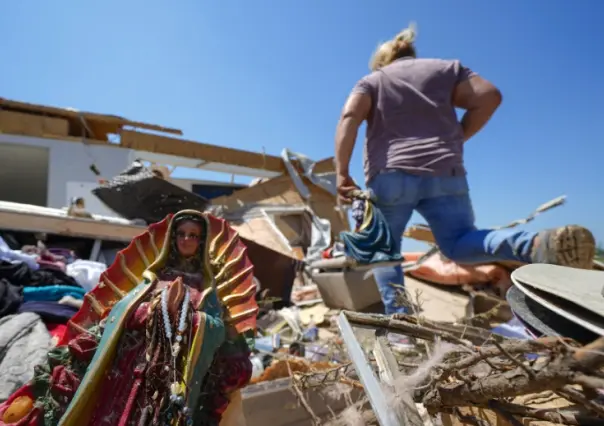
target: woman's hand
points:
(345, 185)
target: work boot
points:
(572, 245)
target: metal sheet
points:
(373, 388)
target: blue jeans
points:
(445, 204)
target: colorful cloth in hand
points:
(372, 242)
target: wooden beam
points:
(325, 166)
(197, 150)
(211, 153)
(102, 124)
(69, 226)
(373, 388)
(88, 116)
(403, 405)
(17, 138)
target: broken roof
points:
(97, 129)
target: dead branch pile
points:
(487, 371)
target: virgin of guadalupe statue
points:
(161, 340)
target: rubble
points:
(320, 356)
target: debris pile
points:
(491, 374)
(497, 344)
(499, 362)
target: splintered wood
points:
(479, 378)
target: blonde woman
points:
(413, 160)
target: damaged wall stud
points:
(404, 406)
(378, 399)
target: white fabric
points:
(86, 272)
(14, 256)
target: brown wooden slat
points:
(205, 152)
(326, 165)
(68, 226)
(117, 121)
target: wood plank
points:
(281, 190)
(326, 165)
(69, 226)
(420, 233)
(261, 232)
(401, 402)
(75, 114)
(202, 151)
(295, 227)
(373, 389)
(18, 123)
(211, 153)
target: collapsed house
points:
(54, 155)
(58, 160)
(316, 361)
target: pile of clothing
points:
(40, 290)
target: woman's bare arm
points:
(356, 110)
(480, 98)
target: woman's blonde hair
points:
(401, 45)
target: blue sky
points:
(274, 74)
